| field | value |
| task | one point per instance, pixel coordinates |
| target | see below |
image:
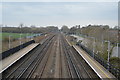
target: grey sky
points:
(60, 0)
(60, 13)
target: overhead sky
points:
(60, 0)
(60, 13)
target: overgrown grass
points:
(115, 61)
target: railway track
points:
(26, 63)
(91, 74)
(54, 58)
(65, 71)
(28, 72)
(71, 66)
(49, 69)
(80, 68)
(38, 72)
(60, 59)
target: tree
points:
(21, 25)
(78, 26)
(65, 29)
(32, 26)
(52, 29)
(73, 30)
(105, 27)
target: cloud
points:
(61, 0)
(60, 13)
(0, 13)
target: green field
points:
(13, 35)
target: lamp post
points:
(117, 49)
(20, 39)
(93, 46)
(118, 44)
(102, 45)
(26, 37)
(31, 36)
(9, 41)
(21, 25)
(108, 50)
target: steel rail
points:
(24, 71)
(22, 64)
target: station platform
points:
(97, 67)
(8, 61)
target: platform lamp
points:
(31, 35)
(118, 49)
(108, 50)
(93, 46)
(117, 44)
(26, 37)
(20, 40)
(21, 25)
(10, 41)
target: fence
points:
(15, 49)
(110, 67)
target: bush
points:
(6, 39)
(115, 61)
(13, 39)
